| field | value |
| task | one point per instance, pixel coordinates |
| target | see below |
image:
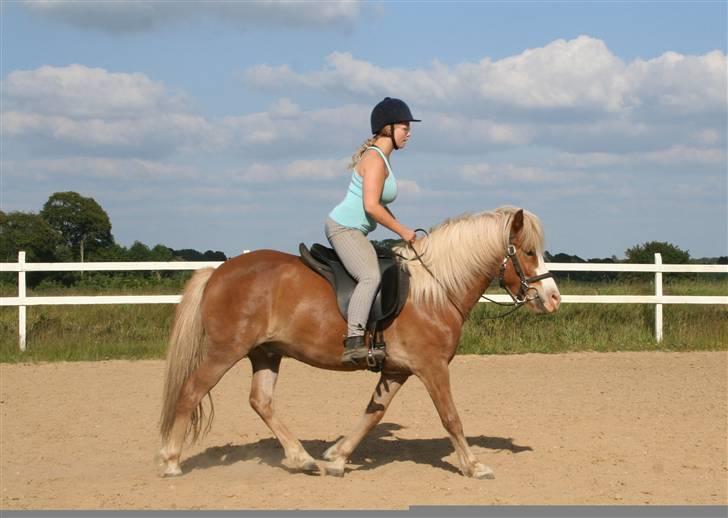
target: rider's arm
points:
(375, 174)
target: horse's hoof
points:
(334, 469)
(172, 471)
(484, 473)
(330, 453)
(304, 466)
(310, 466)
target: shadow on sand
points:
(379, 447)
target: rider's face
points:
(402, 133)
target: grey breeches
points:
(360, 260)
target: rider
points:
(372, 187)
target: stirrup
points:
(377, 350)
(374, 357)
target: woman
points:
(372, 187)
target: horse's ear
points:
(517, 223)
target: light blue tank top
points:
(350, 212)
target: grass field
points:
(73, 333)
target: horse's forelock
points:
(532, 237)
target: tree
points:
(645, 253)
(81, 222)
(161, 253)
(138, 252)
(29, 232)
(215, 255)
(189, 254)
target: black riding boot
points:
(354, 349)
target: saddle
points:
(390, 298)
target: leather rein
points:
(519, 299)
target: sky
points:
(229, 125)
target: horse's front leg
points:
(339, 453)
(436, 379)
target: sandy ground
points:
(586, 428)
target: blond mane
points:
(464, 249)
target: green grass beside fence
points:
(140, 331)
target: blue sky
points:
(228, 125)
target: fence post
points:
(658, 293)
(21, 295)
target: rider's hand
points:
(408, 235)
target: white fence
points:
(22, 300)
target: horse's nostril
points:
(556, 299)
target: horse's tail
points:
(187, 348)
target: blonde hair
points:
(356, 157)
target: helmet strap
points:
(391, 135)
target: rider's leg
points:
(360, 259)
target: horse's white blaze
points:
(547, 289)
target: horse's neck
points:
(467, 298)
(473, 294)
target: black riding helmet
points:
(390, 111)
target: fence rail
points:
(658, 299)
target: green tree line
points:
(71, 227)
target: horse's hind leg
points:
(339, 453)
(265, 374)
(197, 386)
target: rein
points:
(519, 299)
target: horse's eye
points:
(531, 253)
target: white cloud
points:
(285, 108)
(489, 174)
(347, 75)
(286, 130)
(92, 167)
(674, 156)
(580, 74)
(83, 92)
(572, 96)
(321, 169)
(82, 108)
(462, 132)
(129, 16)
(408, 187)
(149, 136)
(679, 84)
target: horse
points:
(267, 304)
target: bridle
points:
(519, 299)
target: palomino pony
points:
(266, 305)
